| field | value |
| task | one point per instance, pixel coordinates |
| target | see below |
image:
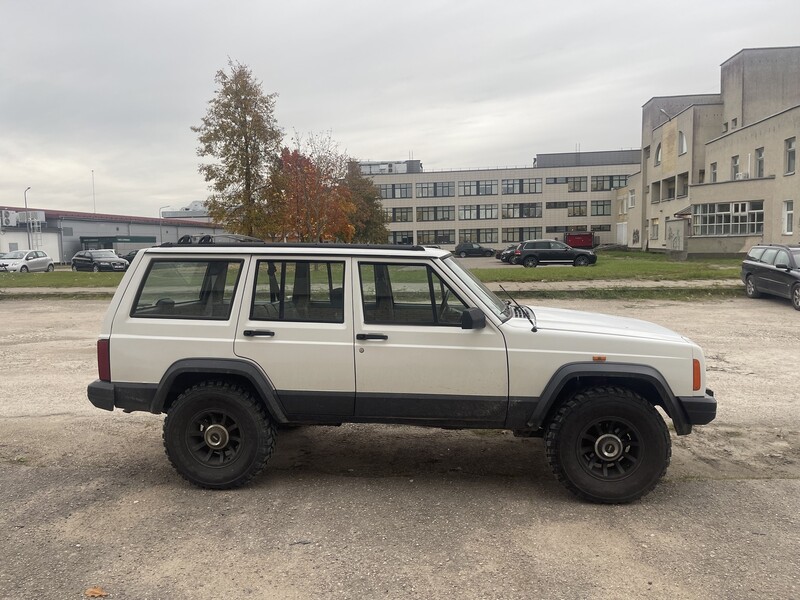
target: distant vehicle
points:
(23, 261)
(534, 252)
(98, 260)
(506, 253)
(129, 256)
(579, 240)
(472, 249)
(773, 269)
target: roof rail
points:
(207, 240)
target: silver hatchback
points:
(23, 261)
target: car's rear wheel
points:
(580, 261)
(74, 267)
(608, 445)
(750, 288)
(530, 261)
(95, 268)
(23, 269)
(796, 296)
(217, 436)
(50, 268)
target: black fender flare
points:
(616, 374)
(216, 366)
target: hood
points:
(559, 319)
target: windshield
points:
(104, 254)
(18, 254)
(489, 298)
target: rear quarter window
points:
(755, 253)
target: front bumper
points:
(700, 410)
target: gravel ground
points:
(396, 512)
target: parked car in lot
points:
(23, 261)
(535, 252)
(98, 260)
(465, 249)
(773, 269)
(506, 253)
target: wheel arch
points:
(186, 373)
(645, 380)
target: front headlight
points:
(103, 263)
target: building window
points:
(522, 186)
(602, 183)
(399, 215)
(401, 237)
(713, 170)
(565, 228)
(395, 190)
(436, 213)
(728, 218)
(522, 210)
(734, 166)
(658, 155)
(601, 208)
(521, 234)
(436, 236)
(683, 147)
(601, 228)
(725, 127)
(734, 123)
(631, 198)
(653, 229)
(474, 212)
(788, 217)
(575, 184)
(436, 189)
(575, 208)
(790, 150)
(486, 187)
(481, 236)
(759, 162)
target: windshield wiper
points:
(521, 309)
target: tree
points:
(240, 132)
(317, 200)
(368, 218)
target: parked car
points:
(472, 249)
(129, 256)
(506, 253)
(534, 252)
(23, 261)
(773, 269)
(98, 260)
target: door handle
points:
(258, 333)
(372, 336)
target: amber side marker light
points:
(696, 375)
(599, 358)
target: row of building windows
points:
(789, 163)
(489, 187)
(475, 212)
(728, 218)
(486, 236)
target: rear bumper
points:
(700, 410)
(129, 397)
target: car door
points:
(414, 362)
(296, 323)
(560, 252)
(765, 281)
(780, 274)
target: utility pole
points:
(28, 218)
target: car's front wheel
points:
(530, 261)
(487, 253)
(580, 261)
(796, 296)
(75, 268)
(23, 269)
(750, 288)
(95, 268)
(217, 435)
(462, 254)
(608, 445)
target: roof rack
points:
(208, 240)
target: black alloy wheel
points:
(581, 261)
(530, 262)
(796, 296)
(218, 436)
(608, 445)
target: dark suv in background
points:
(534, 252)
(473, 249)
(773, 269)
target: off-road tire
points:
(619, 423)
(581, 261)
(218, 436)
(796, 296)
(530, 262)
(750, 288)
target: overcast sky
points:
(113, 87)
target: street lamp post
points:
(161, 224)
(28, 218)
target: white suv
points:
(233, 342)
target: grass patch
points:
(624, 293)
(617, 264)
(59, 279)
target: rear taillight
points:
(517, 252)
(104, 359)
(697, 375)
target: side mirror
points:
(473, 318)
(782, 266)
